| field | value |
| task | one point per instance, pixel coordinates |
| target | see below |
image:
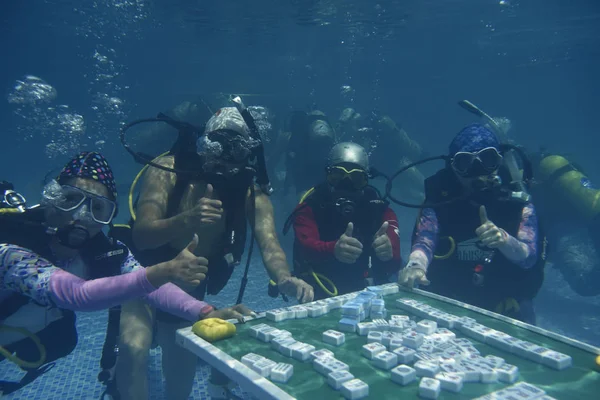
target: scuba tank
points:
(571, 184)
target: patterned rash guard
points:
(26, 273)
(426, 235)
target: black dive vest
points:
(366, 219)
(233, 241)
(233, 193)
(102, 256)
(473, 274)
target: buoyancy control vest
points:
(233, 192)
(466, 271)
(102, 255)
(229, 250)
(366, 217)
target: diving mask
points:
(482, 162)
(225, 151)
(69, 198)
(357, 177)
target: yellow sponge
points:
(213, 329)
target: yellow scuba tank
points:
(572, 184)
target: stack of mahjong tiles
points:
(312, 310)
(368, 303)
(322, 307)
(500, 340)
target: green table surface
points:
(580, 381)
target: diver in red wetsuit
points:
(346, 235)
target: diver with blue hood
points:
(476, 238)
(212, 183)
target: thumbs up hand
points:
(488, 233)
(186, 270)
(348, 249)
(207, 211)
(382, 243)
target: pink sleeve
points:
(170, 298)
(73, 293)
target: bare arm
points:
(266, 238)
(152, 229)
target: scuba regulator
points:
(14, 203)
(10, 199)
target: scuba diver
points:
(346, 236)
(476, 239)
(196, 112)
(212, 183)
(305, 149)
(567, 205)
(389, 146)
(55, 260)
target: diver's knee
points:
(135, 344)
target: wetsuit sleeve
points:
(169, 297)
(130, 264)
(25, 272)
(522, 250)
(393, 232)
(73, 293)
(425, 234)
(307, 233)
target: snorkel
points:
(518, 179)
(508, 151)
